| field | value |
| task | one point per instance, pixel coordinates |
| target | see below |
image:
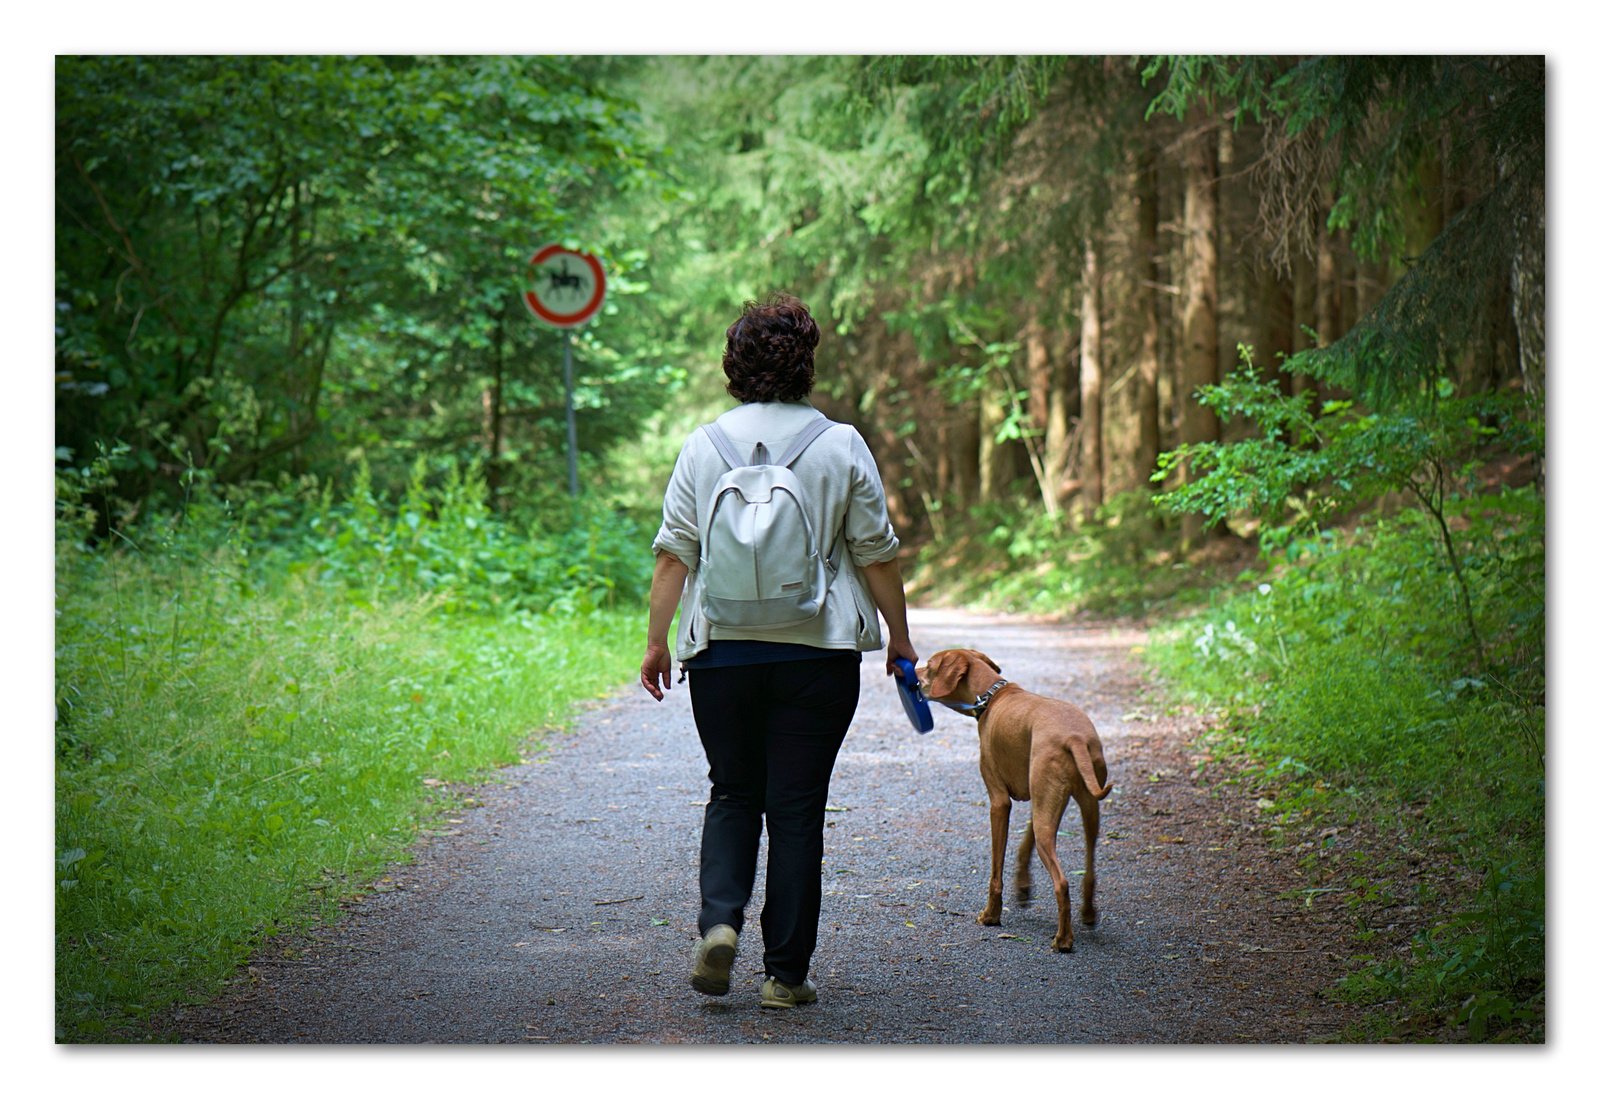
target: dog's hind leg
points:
(1047, 810)
(1091, 832)
(1024, 878)
(999, 827)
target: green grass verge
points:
(1347, 677)
(231, 758)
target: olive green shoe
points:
(774, 993)
(713, 958)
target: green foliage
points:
(1381, 119)
(794, 188)
(253, 708)
(326, 251)
(1439, 308)
(1307, 467)
(1482, 969)
(442, 538)
(1343, 679)
(1308, 464)
(1250, 81)
(1123, 561)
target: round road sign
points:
(567, 287)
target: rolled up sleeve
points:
(867, 530)
(680, 523)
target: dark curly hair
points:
(771, 352)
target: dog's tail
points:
(1080, 755)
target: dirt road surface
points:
(560, 909)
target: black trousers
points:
(770, 733)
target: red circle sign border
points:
(590, 308)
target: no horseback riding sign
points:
(567, 287)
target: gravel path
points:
(560, 909)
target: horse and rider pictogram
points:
(566, 288)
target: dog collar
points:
(975, 709)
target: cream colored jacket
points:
(844, 492)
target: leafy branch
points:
(1307, 466)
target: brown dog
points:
(1029, 748)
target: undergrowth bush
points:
(251, 719)
(442, 537)
(1346, 668)
(1121, 561)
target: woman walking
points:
(771, 703)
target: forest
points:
(1249, 350)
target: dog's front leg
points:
(999, 827)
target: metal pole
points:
(572, 419)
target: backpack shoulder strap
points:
(805, 439)
(723, 445)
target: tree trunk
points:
(1196, 423)
(1527, 294)
(494, 414)
(1090, 380)
(1037, 349)
(1371, 282)
(1059, 410)
(1305, 316)
(1327, 304)
(992, 477)
(1274, 324)
(1324, 301)
(1149, 366)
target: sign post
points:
(566, 288)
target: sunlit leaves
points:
(301, 224)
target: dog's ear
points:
(986, 660)
(945, 671)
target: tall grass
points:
(1349, 674)
(244, 733)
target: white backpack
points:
(761, 562)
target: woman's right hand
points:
(657, 666)
(666, 588)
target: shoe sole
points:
(711, 974)
(766, 1002)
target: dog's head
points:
(947, 677)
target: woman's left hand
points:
(898, 650)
